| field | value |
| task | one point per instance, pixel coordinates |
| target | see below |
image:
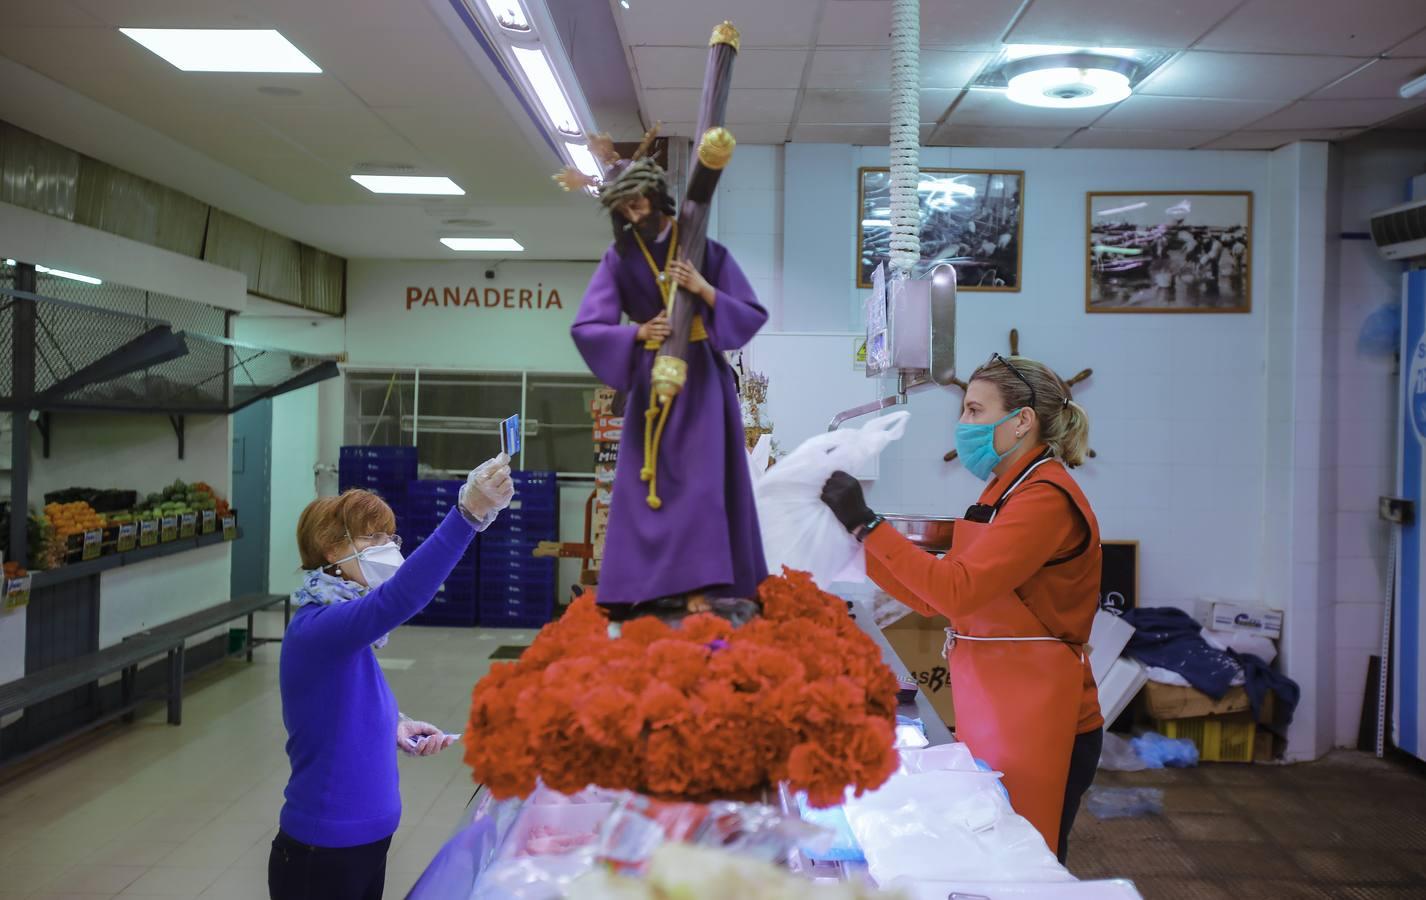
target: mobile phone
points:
(510, 436)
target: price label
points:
(93, 544)
(188, 525)
(169, 531)
(17, 592)
(210, 521)
(128, 537)
(230, 528)
(148, 532)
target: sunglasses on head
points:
(997, 358)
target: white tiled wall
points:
(1374, 174)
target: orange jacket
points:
(1043, 545)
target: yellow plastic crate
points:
(1218, 738)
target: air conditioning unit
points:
(1400, 232)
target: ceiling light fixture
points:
(584, 160)
(408, 184)
(1412, 88)
(483, 245)
(60, 273)
(1069, 80)
(509, 14)
(224, 49)
(547, 89)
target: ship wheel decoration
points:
(1015, 351)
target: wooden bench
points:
(125, 657)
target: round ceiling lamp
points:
(1069, 80)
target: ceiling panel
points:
(1177, 113)
(755, 107)
(994, 108)
(47, 14)
(1246, 76)
(865, 135)
(836, 107)
(1358, 28)
(683, 67)
(1140, 24)
(952, 136)
(867, 69)
(867, 23)
(1412, 46)
(249, 13)
(1379, 80)
(1412, 121)
(1311, 114)
(1159, 139)
(666, 24)
(671, 104)
(1271, 140)
(341, 136)
(426, 65)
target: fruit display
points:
(68, 519)
(177, 499)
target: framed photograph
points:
(971, 218)
(1159, 251)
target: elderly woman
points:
(343, 798)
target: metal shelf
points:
(74, 571)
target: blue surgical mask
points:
(976, 446)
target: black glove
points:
(843, 495)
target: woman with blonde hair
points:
(343, 798)
(1020, 586)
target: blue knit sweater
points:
(340, 714)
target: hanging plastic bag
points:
(798, 529)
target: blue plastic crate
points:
(531, 502)
(516, 594)
(539, 518)
(396, 469)
(504, 615)
(385, 452)
(527, 478)
(434, 487)
(369, 481)
(521, 532)
(448, 608)
(497, 569)
(494, 549)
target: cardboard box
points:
(920, 642)
(608, 429)
(1168, 701)
(1220, 615)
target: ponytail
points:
(1068, 435)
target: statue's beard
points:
(650, 227)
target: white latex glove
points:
(489, 488)
(428, 739)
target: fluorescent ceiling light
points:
(477, 245)
(408, 184)
(1412, 88)
(509, 14)
(584, 160)
(224, 49)
(60, 273)
(547, 88)
(1068, 86)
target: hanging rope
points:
(905, 134)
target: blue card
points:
(510, 436)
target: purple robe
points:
(704, 538)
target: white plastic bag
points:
(798, 529)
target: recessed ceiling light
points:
(273, 90)
(408, 184)
(224, 49)
(1069, 80)
(469, 223)
(584, 160)
(547, 88)
(487, 245)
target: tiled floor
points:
(1348, 826)
(152, 811)
(149, 810)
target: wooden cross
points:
(1015, 351)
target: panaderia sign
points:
(515, 297)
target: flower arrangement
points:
(701, 711)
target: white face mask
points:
(378, 564)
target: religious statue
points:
(683, 530)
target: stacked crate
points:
(428, 504)
(608, 431)
(517, 590)
(385, 471)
